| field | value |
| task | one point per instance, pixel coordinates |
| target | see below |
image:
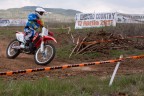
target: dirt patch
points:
(24, 61)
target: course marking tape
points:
(69, 66)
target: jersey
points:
(32, 21)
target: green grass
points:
(9, 32)
(6, 33)
(74, 86)
(130, 52)
(64, 52)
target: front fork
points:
(44, 54)
(42, 47)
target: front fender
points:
(49, 38)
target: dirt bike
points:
(43, 51)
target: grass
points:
(75, 86)
(64, 52)
(9, 32)
(131, 52)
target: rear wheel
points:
(12, 53)
(45, 57)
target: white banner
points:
(90, 20)
(13, 22)
(130, 18)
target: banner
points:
(4, 22)
(90, 20)
(13, 22)
(130, 18)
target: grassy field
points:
(89, 85)
(75, 86)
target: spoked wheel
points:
(12, 53)
(45, 57)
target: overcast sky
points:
(87, 6)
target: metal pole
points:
(115, 71)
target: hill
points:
(58, 14)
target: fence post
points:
(115, 71)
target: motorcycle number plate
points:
(20, 37)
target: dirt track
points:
(24, 61)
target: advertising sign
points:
(90, 20)
(13, 22)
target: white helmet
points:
(40, 11)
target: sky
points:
(86, 6)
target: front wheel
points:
(12, 53)
(45, 57)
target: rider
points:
(34, 22)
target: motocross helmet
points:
(40, 11)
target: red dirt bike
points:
(43, 51)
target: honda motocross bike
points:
(43, 51)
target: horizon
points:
(123, 6)
(66, 9)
